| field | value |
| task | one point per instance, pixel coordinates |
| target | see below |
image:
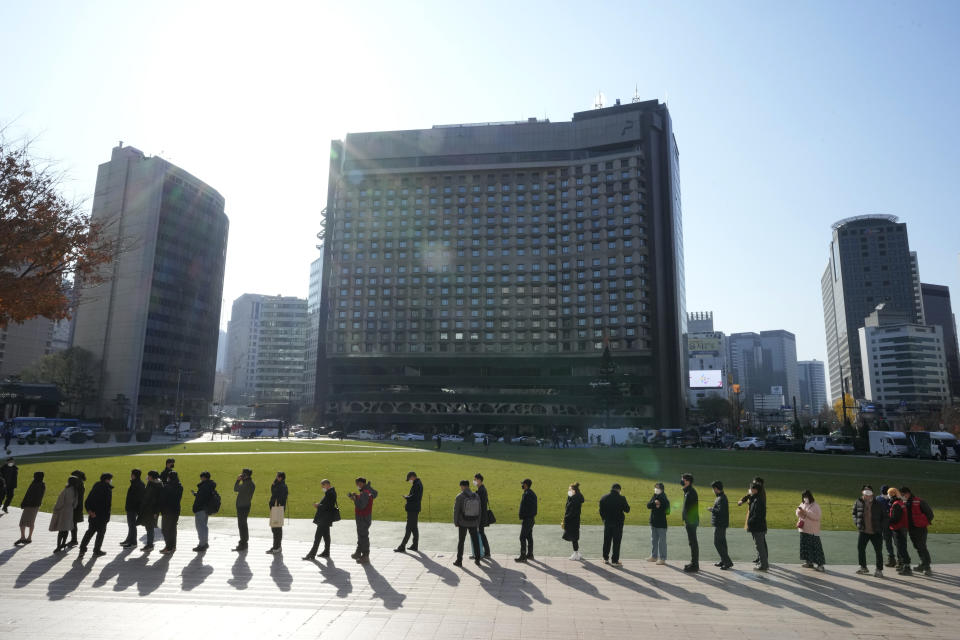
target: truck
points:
(948, 440)
(926, 444)
(889, 443)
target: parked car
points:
(782, 443)
(69, 431)
(304, 433)
(451, 438)
(749, 443)
(479, 436)
(362, 434)
(414, 436)
(335, 435)
(526, 441)
(40, 436)
(399, 436)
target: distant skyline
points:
(788, 116)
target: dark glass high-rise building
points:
(473, 275)
(938, 311)
(870, 263)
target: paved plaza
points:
(222, 594)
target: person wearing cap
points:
(691, 520)
(30, 504)
(201, 501)
(659, 506)
(412, 507)
(244, 488)
(527, 516)
(9, 472)
(132, 507)
(98, 504)
(898, 527)
(150, 507)
(720, 519)
(919, 517)
(870, 520)
(887, 533)
(613, 508)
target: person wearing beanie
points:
(887, 533)
(30, 504)
(98, 505)
(659, 506)
(613, 508)
(898, 527)
(720, 519)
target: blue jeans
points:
(658, 542)
(200, 518)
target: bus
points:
(56, 425)
(256, 428)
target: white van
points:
(888, 443)
(938, 437)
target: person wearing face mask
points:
(613, 508)
(278, 498)
(720, 519)
(9, 472)
(659, 506)
(691, 520)
(30, 505)
(150, 507)
(244, 488)
(132, 508)
(412, 507)
(870, 520)
(919, 517)
(327, 513)
(363, 512)
(808, 523)
(485, 513)
(757, 524)
(571, 519)
(97, 505)
(61, 519)
(527, 515)
(898, 528)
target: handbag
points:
(276, 517)
(491, 519)
(335, 514)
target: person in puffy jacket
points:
(98, 505)
(201, 501)
(363, 514)
(898, 529)
(919, 517)
(870, 519)
(659, 506)
(808, 523)
(720, 519)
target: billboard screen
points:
(702, 344)
(706, 379)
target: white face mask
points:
(867, 493)
(658, 491)
(9, 464)
(806, 500)
(571, 493)
(474, 483)
(324, 489)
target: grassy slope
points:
(835, 481)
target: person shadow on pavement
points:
(836, 594)
(338, 578)
(510, 586)
(448, 576)
(570, 580)
(618, 579)
(37, 568)
(66, 584)
(678, 592)
(153, 576)
(280, 574)
(6, 555)
(195, 573)
(382, 589)
(111, 569)
(241, 572)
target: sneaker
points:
(863, 571)
(661, 561)
(579, 556)
(606, 561)
(573, 556)
(458, 563)
(919, 567)
(905, 571)
(72, 544)
(878, 573)
(147, 547)
(309, 556)
(399, 550)
(652, 559)
(98, 553)
(761, 567)
(891, 562)
(520, 559)
(927, 571)
(691, 568)
(820, 568)
(726, 566)
(325, 554)
(616, 563)
(807, 565)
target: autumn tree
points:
(46, 242)
(851, 415)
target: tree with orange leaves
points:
(46, 242)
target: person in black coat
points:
(32, 499)
(150, 507)
(78, 509)
(757, 524)
(528, 514)
(720, 519)
(571, 519)
(613, 506)
(659, 506)
(414, 500)
(484, 513)
(170, 510)
(691, 520)
(202, 498)
(132, 507)
(278, 498)
(9, 471)
(98, 505)
(327, 513)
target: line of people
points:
(888, 519)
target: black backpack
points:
(213, 506)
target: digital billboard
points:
(706, 379)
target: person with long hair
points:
(808, 524)
(61, 519)
(571, 519)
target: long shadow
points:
(6, 555)
(37, 568)
(129, 572)
(241, 572)
(153, 575)
(65, 585)
(802, 588)
(953, 581)
(575, 582)
(392, 599)
(339, 578)
(448, 576)
(677, 592)
(618, 579)
(280, 574)
(194, 574)
(894, 585)
(511, 587)
(111, 569)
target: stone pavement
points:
(421, 595)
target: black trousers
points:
(612, 536)
(474, 540)
(411, 529)
(98, 527)
(903, 556)
(720, 542)
(242, 513)
(876, 539)
(323, 533)
(363, 534)
(526, 537)
(760, 541)
(73, 532)
(277, 536)
(483, 538)
(694, 545)
(918, 536)
(888, 541)
(131, 528)
(168, 527)
(8, 498)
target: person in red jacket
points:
(898, 527)
(919, 517)
(363, 510)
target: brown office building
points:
(475, 273)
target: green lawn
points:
(834, 480)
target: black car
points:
(783, 443)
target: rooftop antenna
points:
(598, 101)
(636, 94)
(666, 98)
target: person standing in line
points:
(30, 504)
(327, 513)
(484, 513)
(898, 527)
(757, 525)
(412, 507)
(919, 517)
(887, 533)
(613, 506)
(167, 470)
(201, 502)
(150, 508)
(720, 519)
(363, 513)
(745, 500)
(132, 507)
(78, 507)
(808, 523)
(691, 520)
(170, 510)
(61, 520)
(571, 519)
(527, 515)
(244, 488)
(278, 498)
(98, 505)
(869, 519)
(466, 517)
(9, 472)
(659, 506)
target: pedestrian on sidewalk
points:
(202, 502)
(486, 515)
(244, 488)
(571, 519)
(720, 519)
(757, 524)
(278, 505)
(61, 520)
(808, 524)
(78, 507)
(412, 507)
(887, 533)
(170, 510)
(150, 507)
(613, 508)
(870, 520)
(527, 516)
(30, 504)
(328, 512)
(898, 527)
(466, 517)
(363, 513)
(691, 520)
(98, 505)
(919, 517)
(659, 506)
(9, 471)
(132, 507)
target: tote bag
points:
(276, 517)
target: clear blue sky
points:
(789, 115)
